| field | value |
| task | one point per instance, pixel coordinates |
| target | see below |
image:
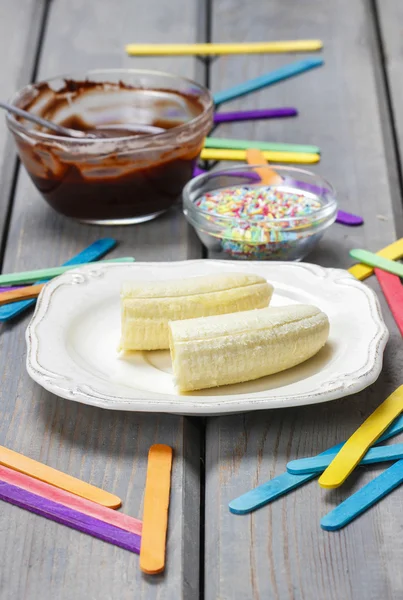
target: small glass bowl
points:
(260, 238)
(118, 180)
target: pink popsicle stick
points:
(69, 517)
(108, 515)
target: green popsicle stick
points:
(228, 144)
(374, 260)
(31, 276)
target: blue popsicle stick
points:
(284, 483)
(366, 497)
(93, 252)
(267, 79)
(317, 464)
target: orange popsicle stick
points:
(31, 291)
(267, 175)
(156, 504)
(23, 464)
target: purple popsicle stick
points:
(250, 115)
(346, 218)
(342, 217)
(10, 289)
(67, 516)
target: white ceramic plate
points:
(74, 333)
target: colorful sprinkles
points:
(260, 221)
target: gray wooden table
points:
(352, 109)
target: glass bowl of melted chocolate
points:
(147, 131)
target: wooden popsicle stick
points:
(31, 291)
(357, 445)
(393, 291)
(317, 464)
(8, 289)
(284, 483)
(374, 260)
(266, 79)
(107, 515)
(31, 276)
(280, 157)
(235, 144)
(366, 497)
(23, 464)
(249, 115)
(348, 218)
(268, 176)
(91, 253)
(156, 504)
(216, 49)
(393, 252)
(67, 516)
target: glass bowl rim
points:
(14, 124)
(319, 214)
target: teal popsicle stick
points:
(374, 260)
(213, 142)
(286, 482)
(93, 252)
(267, 79)
(366, 497)
(317, 464)
(31, 276)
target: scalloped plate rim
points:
(198, 405)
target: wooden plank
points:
(280, 552)
(43, 559)
(389, 15)
(24, 17)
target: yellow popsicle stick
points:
(267, 175)
(206, 49)
(362, 439)
(155, 514)
(280, 157)
(393, 252)
(28, 466)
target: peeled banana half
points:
(147, 307)
(233, 348)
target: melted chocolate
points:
(119, 185)
(143, 192)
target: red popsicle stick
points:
(393, 292)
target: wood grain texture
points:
(109, 449)
(390, 19)
(20, 24)
(336, 103)
(71, 47)
(280, 552)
